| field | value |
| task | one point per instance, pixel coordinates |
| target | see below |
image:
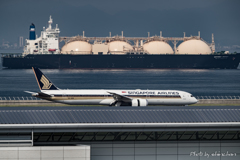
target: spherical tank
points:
(119, 47)
(77, 47)
(193, 46)
(157, 47)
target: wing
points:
(119, 97)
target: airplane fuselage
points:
(105, 97)
(109, 97)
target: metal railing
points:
(197, 97)
(12, 55)
(19, 98)
(217, 97)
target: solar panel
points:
(119, 115)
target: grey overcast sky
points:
(134, 17)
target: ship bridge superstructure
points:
(47, 43)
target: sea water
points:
(13, 82)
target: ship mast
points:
(50, 23)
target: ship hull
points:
(61, 61)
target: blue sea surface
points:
(13, 83)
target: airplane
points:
(124, 97)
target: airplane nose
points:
(195, 100)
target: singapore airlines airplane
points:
(109, 97)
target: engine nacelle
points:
(139, 102)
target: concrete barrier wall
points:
(45, 102)
(219, 101)
(26, 102)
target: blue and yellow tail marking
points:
(43, 82)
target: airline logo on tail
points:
(43, 82)
(46, 83)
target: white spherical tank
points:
(119, 47)
(193, 46)
(77, 47)
(157, 47)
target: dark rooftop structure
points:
(71, 125)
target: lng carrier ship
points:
(118, 52)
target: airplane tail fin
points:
(43, 82)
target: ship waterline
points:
(127, 61)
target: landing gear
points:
(118, 104)
(115, 103)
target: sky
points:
(135, 17)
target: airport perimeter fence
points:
(19, 98)
(197, 97)
(217, 97)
